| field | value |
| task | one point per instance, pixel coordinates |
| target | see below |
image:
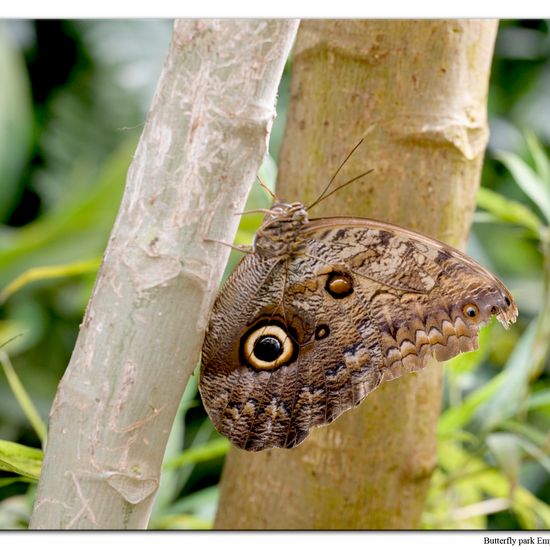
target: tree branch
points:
(205, 137)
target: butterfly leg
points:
(244, 248)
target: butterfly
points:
(321, 311)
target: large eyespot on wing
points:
(249, 393)
(250, 368)
(255, 417)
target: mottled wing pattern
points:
(417, 290)
(362, 302)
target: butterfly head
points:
(282, 211)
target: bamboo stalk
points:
(418, 91)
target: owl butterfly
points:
(321, 311)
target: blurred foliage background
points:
(74, 99)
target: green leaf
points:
(213, 449)
(181, 521)
(25, 326)
(6, 481)
(202, 436)
(507, 210)
(542, 164)
(537, 453)
(201, 503)
(471, 481)
(247, 228)
(532, 512)
(506, 450)
(16, 122)
(76, 230)
(42, 273)
(20, 459)
(91, 113)
(538, 400)
(531, 184)
(513, 388)
(23, 398)
(457, 417)
(526, 431)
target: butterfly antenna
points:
(341, 186)
(273, 195)
(322, 195)
(254, 211)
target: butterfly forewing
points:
(424, 291)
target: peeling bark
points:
(418, 91)
(204, 140)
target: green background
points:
(74, 99)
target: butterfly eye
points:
(339, 285)
(268, 347)
(299, 216)
(470, 310)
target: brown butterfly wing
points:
(363, 302)
(425, 292)
(257, 408)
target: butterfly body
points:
(322, 311)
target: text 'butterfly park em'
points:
(320, 311)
